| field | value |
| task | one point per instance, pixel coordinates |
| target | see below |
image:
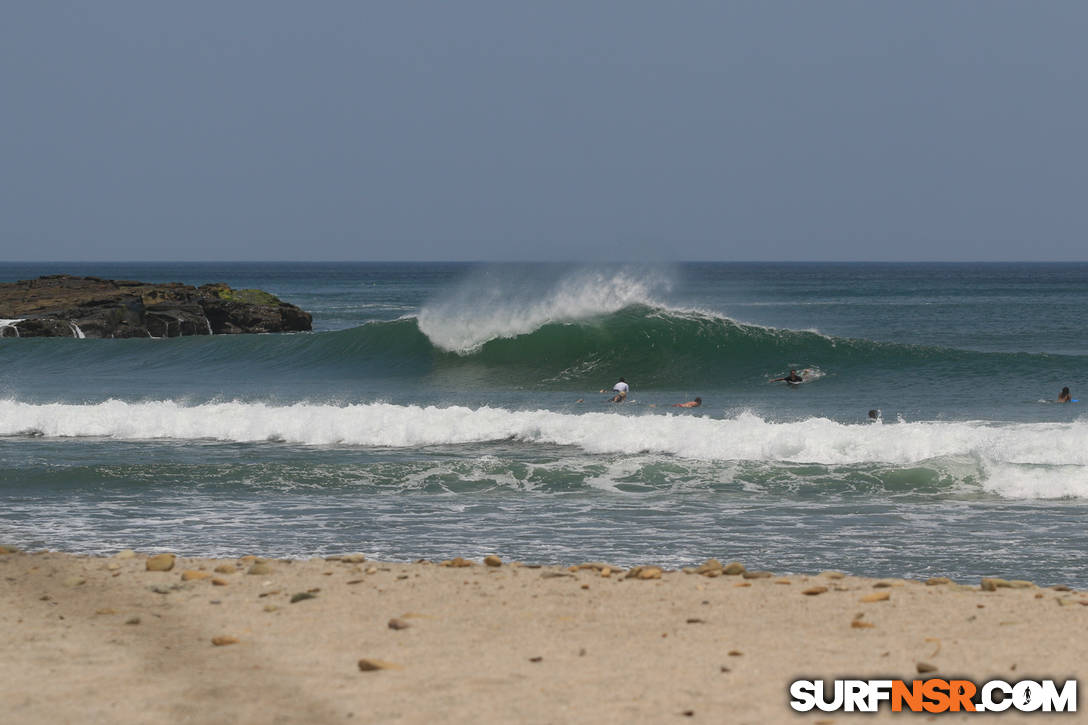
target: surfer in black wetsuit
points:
(793, 378)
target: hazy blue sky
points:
(635, 129)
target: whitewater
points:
(451, 409)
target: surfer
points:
(1065, 396)
(620, 389)
(874, 414)
(690, 404)
(793, 378)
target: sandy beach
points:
(250, 640)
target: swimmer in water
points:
(793, 377)
(1065, 396)
(620, 389)
(690, 404)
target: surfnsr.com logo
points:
(933, 695)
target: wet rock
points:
(492, 560)
(833, 574)
(353, 558)
(224, 640)
(733, 568)
(813, 591)
(456, 562)
(160, 562)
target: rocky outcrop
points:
(61, 305)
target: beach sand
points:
(88, 639)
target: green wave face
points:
(652, 347)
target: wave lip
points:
(1016, 460)
(499, 309)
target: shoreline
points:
(106, 639)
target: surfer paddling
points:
(690, 404)
(793, 378)
(1065, 396)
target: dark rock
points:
(61, 305)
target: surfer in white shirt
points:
(620, 389)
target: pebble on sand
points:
(224, 640)
(74, 581)
(644, 572)
(160, 562)
(395, 623)
(757, 574)
(372, 665)
(225, 569)
(813, 591)
(353, 558)
(456, 562)
(302, 596)
(925, 667)
(881, 596)
(193, 575)
(492, 560)
(937, 581)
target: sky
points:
(634, 130)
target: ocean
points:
(443, 410)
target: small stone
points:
(395, 623)
(709, 566)
(219, 582)
(733, 568)
(1062, 588)
(193, 575)
(925, 667)
(536, 659)
(757, 574)
(225, 569)
(606, 572)
(937, 581)
(373, 665)
(881, 585)
(353, 558)
(650, 572)
(74, 581)
(132, 620)
(302, 596)
(224, 640)
(743, 584)
(688, 713)
(260, 568)
(992, 584)
(105, 610)
(813, 591)
(783, 581)
(160, 562)
(456, 562)
(861, 624)
(876, 597)
(492, 560)
(125, 554)
(695, 620)
(735, 653)
(270, 607)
